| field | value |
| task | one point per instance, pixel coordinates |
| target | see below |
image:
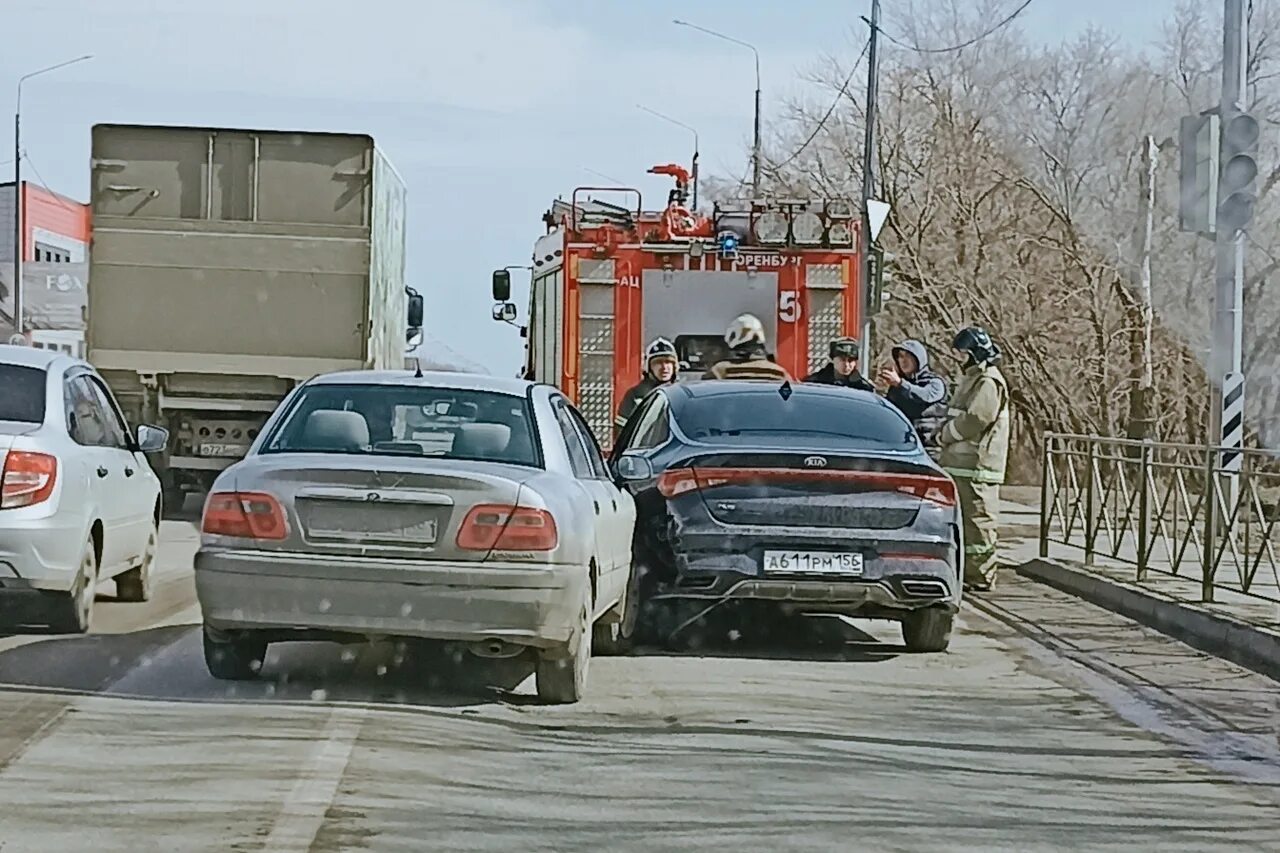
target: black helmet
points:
(847, 347)
(977, 343)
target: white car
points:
(79, 503)
(446, 506)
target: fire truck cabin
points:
(609, 277)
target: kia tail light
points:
(28, 479)
(502, 527)
(244, 515)
(935, 489)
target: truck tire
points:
(927, 630)
(173, 496)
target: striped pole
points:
(1232, 438)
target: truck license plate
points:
(813, 562)
(222, 450)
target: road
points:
(1050, 725)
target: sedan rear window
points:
(24, 391)
(766, 418)
(394, 420)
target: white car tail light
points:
(244, 515)
(499, 527)
(28, 479)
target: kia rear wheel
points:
(927, 630)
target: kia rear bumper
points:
(281, 594)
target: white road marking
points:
(304, 809)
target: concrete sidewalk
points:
(1235, 627)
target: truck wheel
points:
(135, 584)
(927, 630)
(175, 499)
(561, 674)
(233, 657)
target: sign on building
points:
(55, 296)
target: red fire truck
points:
(608, 278)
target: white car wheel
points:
(77, 610)
(562, 673)
(135, 584)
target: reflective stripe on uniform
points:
(977, 550)
(975, 475)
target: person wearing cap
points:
(748, 354)
(975, 449)
(661, 363)
(843, 367)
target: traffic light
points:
(1198, 141)
(1239, 172)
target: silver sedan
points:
(446, 506)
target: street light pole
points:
(755, 143)
(18, 223)
(696, 147)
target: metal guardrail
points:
(1173, 509)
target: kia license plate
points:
(813, 562)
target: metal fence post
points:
(1144, 510)
(1046, 496)
(1210, 524)
(1089, 525)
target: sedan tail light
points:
(502, 527)
(245, 515)
(678, 481)
(28, 479)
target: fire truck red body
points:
(607, 279)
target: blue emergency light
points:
(728, 245)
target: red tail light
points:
(678, 481)
(245, 515)
(28, 479)
(503, 527)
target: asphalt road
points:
(1050, 725)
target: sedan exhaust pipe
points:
(924, 589)
(495, 648)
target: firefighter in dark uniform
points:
(661, 364)
(843, 368)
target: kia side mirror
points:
(632, 467)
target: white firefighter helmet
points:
(746, 329)
(660, 348)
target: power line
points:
(970, 43)
(45, 184)
(844, 90)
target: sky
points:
(489, 109)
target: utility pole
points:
(869, 182)
(1140, 401)
(1238, 171)
(18, 223)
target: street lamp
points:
(17, 188)
(755, 144)
(692, 130)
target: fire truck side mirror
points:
(415, 311)
(505, 313)
(501, 286)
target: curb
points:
(1250, 646)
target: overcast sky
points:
(488, 108)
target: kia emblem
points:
(815, 461)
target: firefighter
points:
(917, 391)
(843, 367)
(660, 365)
(975, 449)
(748, 355)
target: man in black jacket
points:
(661, 364)
(843, 367)
(917, 391)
